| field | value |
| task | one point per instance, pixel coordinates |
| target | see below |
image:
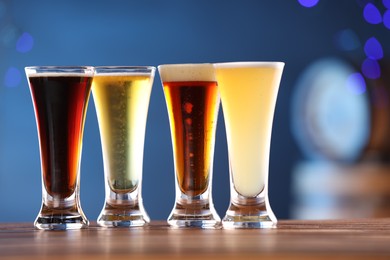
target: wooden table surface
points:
(293, 239)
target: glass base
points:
(61, 222)
(196, 215)
(249, 216)
(61, 217)
(122, 216)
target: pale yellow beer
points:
(248, 94)
(121, 102)
(121, 95)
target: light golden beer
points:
(248, 95)
(122, 105)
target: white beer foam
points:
(251, 64)
(187, 72)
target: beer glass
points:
(192, 100)
(248, 95)
(60, 97)
(121, 96)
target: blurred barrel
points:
(324, 190)
(341, 122)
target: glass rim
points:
(250, 64)
(124, 69)
(63, 70)
(185, 65)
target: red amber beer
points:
(191, 104)
(192, 100)
(60, 96)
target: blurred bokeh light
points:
(356, 83)
(386, 19)
(12, 77)
(308, 3)
(373, 49)
(371, 69)
(372, 14)
(24, 43)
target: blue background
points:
(151, 33)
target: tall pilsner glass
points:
(60, 96)
(121, 96)
(248, 95)
(192, 101)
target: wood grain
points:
(293, 239)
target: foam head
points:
(187, 72)
(251, 64)
(59, 71)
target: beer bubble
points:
(188, 107)
(188, 121)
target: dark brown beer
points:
(60, 106)
(193, 110)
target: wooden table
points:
(293, 239)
